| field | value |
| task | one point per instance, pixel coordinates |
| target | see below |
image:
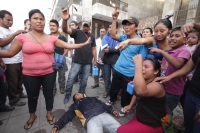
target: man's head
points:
(130, 25)
(74, 25)
(103, 31)
(53, 25)
(6, 19)
(86, 25)
(110, 26)
(77, 96)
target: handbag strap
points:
(42, 46)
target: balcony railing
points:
(112, 3)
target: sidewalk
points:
(13, 122)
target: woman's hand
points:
(127, 109)
(88, 41)
(155, 50)
(3, 65)
(115, 113)
(115, 14)
(65, 14)
(137, 60)
(162, 79)
(54, 130)
(187, 28)
(123, 45)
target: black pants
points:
(3, 92)
(32, 85)
(119, 81)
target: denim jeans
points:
(191, 108)
(108, 68)
(32, 85)
(61, 78)
(75, 68)
(102, 123)
(172, 101)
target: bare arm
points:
(188, 27)
(61, 44)
(8, 40)
(175, 62)
(153, 89)
(65, 52)
(149, 41)
(130, 106)
(94, 52)
(188, 67)
(65, 17)
(13, 50)
(113, 28)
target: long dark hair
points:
(165, 21)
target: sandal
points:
(29, 125)
(51, 120)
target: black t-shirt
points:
(194, 85)
(83, 55)
(61, 50)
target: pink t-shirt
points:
(175, 86)
(36, 61)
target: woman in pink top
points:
(38, 53)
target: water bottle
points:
(130, 87)
(94, 71)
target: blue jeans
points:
(108, 68)
(102, 123)
(172, 101)
(75, 68)
(191, 108)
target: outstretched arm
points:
(188, 67)
(13, 50)
(187, 28)
(65, 17)
(149, 41)
(175, 62)
(68, 116)
(62, 44)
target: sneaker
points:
(62, 91)
(66, 99)
(109, 103)
(23, 95)
(19, 103)
(121, 113)
(94, 86)
(7, 109)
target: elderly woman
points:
(38, 52)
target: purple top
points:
(175, 86)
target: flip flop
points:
(29, 124)
(51, 120)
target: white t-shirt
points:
(71, 40)
(18, 58)
(98, 47)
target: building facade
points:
(147, 11)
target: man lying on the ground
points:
(92, 113)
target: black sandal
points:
(51, 120)
(29, 124)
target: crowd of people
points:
(162, 65)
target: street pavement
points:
(13, 122)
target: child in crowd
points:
(173, 60)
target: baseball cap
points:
(86, 21)
(132, 20)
